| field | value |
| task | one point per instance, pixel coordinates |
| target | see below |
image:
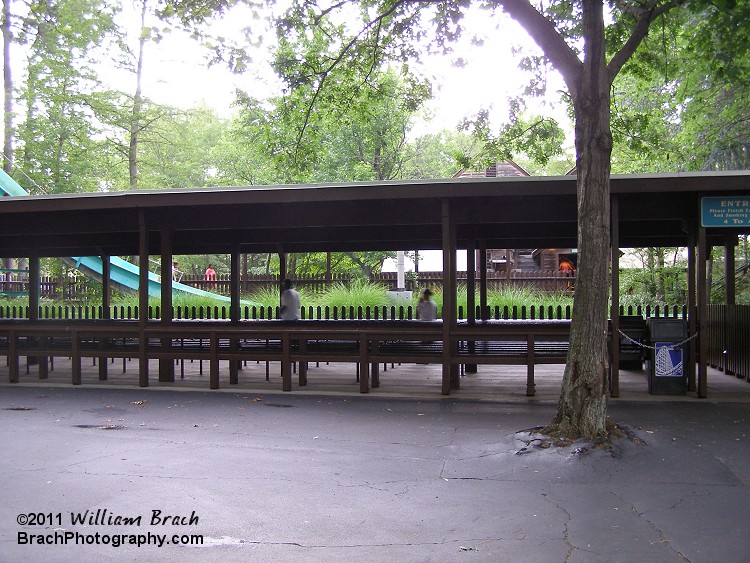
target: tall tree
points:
(59, 132)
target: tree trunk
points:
(7, 165)
(7, 91)
(135, 123)
(650, 266)
(582, 408)
(661, 293)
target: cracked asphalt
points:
(367, 479)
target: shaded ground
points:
(303, 477)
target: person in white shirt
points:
(426, 308)
(290, 303)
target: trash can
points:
(667, 360)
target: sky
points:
(175, 73)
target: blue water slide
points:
(124, 276)
(9, 187)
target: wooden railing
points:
(365, 343)
(363, 336)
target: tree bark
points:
(583, 401)
(7, 165)
(581, 410)
(135, 122)
(661, 293)
(7, 91)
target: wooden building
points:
(510, 260)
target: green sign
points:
(725, 211)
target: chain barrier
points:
(669, 346)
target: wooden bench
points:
(366, 343)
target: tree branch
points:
(644, 17)
(343, 52)
(546, 36)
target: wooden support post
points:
(731, 298)
(730, 274)
(375, 373)
(451, 378)
(364, 368)
(34, 280)
(483, 281)
(614, 364)
(302, 342)
(691, 305)
(75, 357)
(530, 385)
(702, 384)
(235, 312)
(234, 365)
(213, 374)
(106, 306)
(12, 357)
(166, 365)
(142, 300)
(286, 362)
(471, 288)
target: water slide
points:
(124, 276)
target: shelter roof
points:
(506, 212)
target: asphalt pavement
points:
(90, 473)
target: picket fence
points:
(392, 312)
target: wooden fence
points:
(49, 287)
(79, 286)
(728, 325)
(729, 339)
(542, 279)
(392, 312)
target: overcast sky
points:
(175, 73)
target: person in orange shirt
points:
(210, 275)
(566, 267)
